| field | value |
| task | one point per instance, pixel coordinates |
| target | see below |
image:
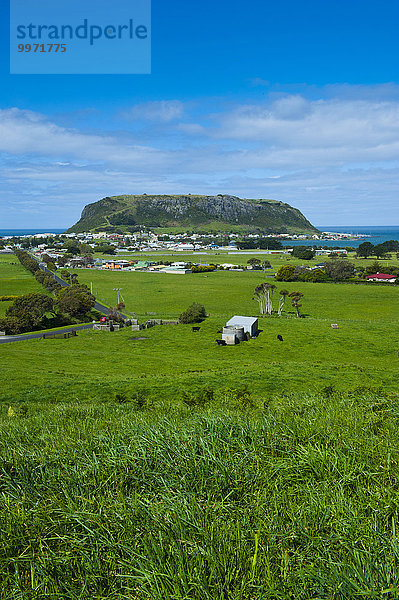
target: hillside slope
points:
(130, 212)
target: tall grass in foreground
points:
(295, 500)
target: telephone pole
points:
(117, 290)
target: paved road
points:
(98, 306)
(7, 339)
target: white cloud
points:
(25, 132)
(161, 110)
(324, 155)
(296, 123)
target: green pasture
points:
(171, 358)
(15, 280)
(225, 293)
(157, 465)
(363, 351)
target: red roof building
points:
(381, 277)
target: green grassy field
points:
(298, 500)
(223, 292)
(363, 351)
(117, 482)
(15, 280)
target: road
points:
(98, 306)
(7, 339)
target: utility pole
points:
(117, 290)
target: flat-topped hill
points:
(194, 211)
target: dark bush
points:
(193, 314)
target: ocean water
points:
(18, 232)
(375, 235)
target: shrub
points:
(314, 276)
(339, 270)
(285, 273)
(202, 268)
(193, 314)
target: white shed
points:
(250, 324)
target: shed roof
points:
(239, 320)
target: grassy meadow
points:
(298, 500)
(15, 280)
(156, 465)
(363, 351)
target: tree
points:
(365, 249)
(65, 275)
(380, 250)
(270, 244)
(339, 270)
(283, 296)
(40, 276)
(266, 265)
(254, 262)
(75, 300)
(50, 283)
(303, 252)
(374, 267)
(202, 268)
(46, 258)
(296, 301)
(30, 308)
(72, 247)
(263, 243)
(391, 245)
(62, 261)
(85, 249)
(115, 313)
(27, 261)
(264, 295)
(285, 273)
(306, 255)
(87, 260)
(15, 325)
(105, 249)
(195, 313)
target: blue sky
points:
(297, 101)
